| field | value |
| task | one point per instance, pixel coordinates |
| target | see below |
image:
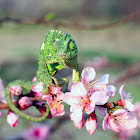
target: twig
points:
(5, 106)
(72, 25)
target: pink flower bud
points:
(91, 123)
(25, 102)
(12, 118)
(16, 90)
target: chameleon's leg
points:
(44, 76)
(63, 82)
(26, 85)
(76, 73)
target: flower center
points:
(85, 102)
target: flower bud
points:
(15, 90)
(12, 118)
(25, 102)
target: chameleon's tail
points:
(26, 85)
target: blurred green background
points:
(20, 44)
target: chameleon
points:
(58, 50)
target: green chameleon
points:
(58, 50)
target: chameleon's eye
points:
(71, 46)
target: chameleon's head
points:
(67, 50)
(58, 50)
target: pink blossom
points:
(88, 75)
(120, 120)
(25, 102)
(54, 100)
(84, 96)
(37, 89)
(126, 99)
(37, 132)
(15, 90)
(12, 118)
(91, 123)
(80, 101)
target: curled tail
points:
(26, 85)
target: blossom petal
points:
(38, 87)
(101, 110)
(78, 119)
(112, 91)
(77, 108)
(78, 89)
(91, 123)
(104, 78)
(105, 122)
(129, 106)
(70, 99)
(114, 126)
(122, 92)
(56, 90)
(90, 108)
(122, 120)
(100, 87)
(88, 74)
(99, 97)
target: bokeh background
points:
(113, 50)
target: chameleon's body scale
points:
(58, 50)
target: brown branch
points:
(73, 25)
(5, 106)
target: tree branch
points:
(72, 25)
